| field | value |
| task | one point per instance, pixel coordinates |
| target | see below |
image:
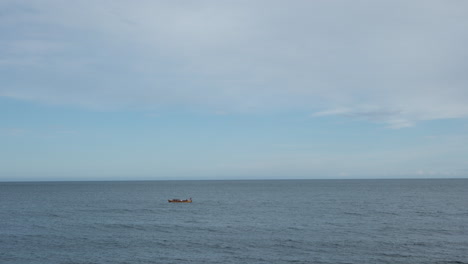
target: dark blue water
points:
(300, 221)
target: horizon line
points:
(265, 179)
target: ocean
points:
(254, 221)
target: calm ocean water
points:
(290, 221)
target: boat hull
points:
(179, 201)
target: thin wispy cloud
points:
(407, 60)
(392, 119)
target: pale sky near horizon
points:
(97, 90)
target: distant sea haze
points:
(264, 221)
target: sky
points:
(257, 89)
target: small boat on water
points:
(180, 201)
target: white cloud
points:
(393, 119)
(406, 60)
(337, 111)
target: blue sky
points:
(97, 90)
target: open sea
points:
(264, 221)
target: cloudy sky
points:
(96, 89)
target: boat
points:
(180, 201)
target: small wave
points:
(452, 262)
(387, 213)
(395, 255)
(429, 213)
(353, 213)
(53, 215)
(295, 228)
(124, 226)
(421, 244)
(210, 230)
(41, 214)
(288, 243)
(119, 210)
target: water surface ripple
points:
(290, 221)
